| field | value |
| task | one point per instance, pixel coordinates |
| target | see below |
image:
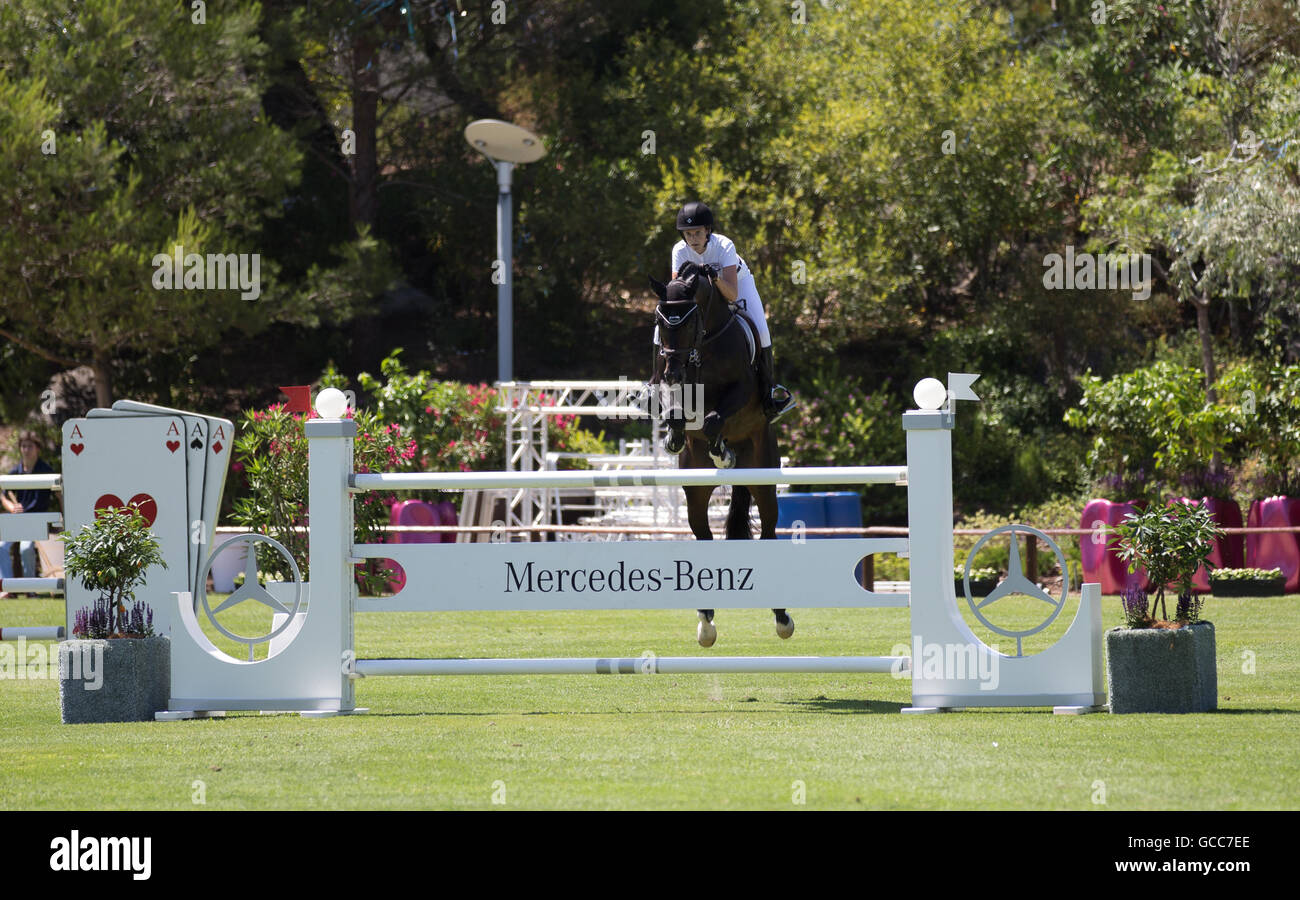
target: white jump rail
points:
(32, 585)
(312, 665)
(52, 481)
(420, 481)
(635, 665)
(33, 633)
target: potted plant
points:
(1247, 582)
(1156, 664)
(115, 669)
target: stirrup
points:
(776, 408)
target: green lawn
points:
(672, 742)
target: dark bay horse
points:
(705, 342)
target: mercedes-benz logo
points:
(251, 590)
(1016, 582)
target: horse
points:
(705, 343)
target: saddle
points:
(751, 333)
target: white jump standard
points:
(312, 665)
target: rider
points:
(701, 250)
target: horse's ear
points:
(691, 284)
(660, 289)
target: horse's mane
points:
(682, 290)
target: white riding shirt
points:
(720, 252)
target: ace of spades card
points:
(138, 462)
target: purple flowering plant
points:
(1134, 600)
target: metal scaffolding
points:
(529, 406)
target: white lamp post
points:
(505, 145)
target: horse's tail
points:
(738, 514)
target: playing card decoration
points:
(137, 462)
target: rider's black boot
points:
(777, 401)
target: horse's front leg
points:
(668, 402)
(733, 400)
(697, 514)
(765, 499)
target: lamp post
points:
(505, 145)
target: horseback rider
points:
(702, 251)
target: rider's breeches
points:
(748, 300)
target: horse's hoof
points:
(673, 444)
(786, 629)
(705, 633)
(725, 460)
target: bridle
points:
(693, 316)
(675, 323)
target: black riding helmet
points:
(694, 215)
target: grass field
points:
(672, 742)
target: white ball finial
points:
(930, 393)
(331, 403)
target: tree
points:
(129, 129)
(1215, 202)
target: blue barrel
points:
(843, 509)
(810, 509)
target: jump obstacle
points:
(312, 667)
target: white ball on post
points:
(331, 403)
(930, 393)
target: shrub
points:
(1171, 543)
(458, 427)
(1153, 431)
(111, 556)
(1260, 575)
(839, 423)
(417, 424)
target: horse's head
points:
(681, 324)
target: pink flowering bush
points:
(271, 460)
(413, 424)
(457, 427)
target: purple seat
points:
(1279, 550)
(1227, 552)
(1101, 562)
(412, 513)
(448, 511)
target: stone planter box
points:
(117, 680)
(1158, 670)
(1238, 588)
